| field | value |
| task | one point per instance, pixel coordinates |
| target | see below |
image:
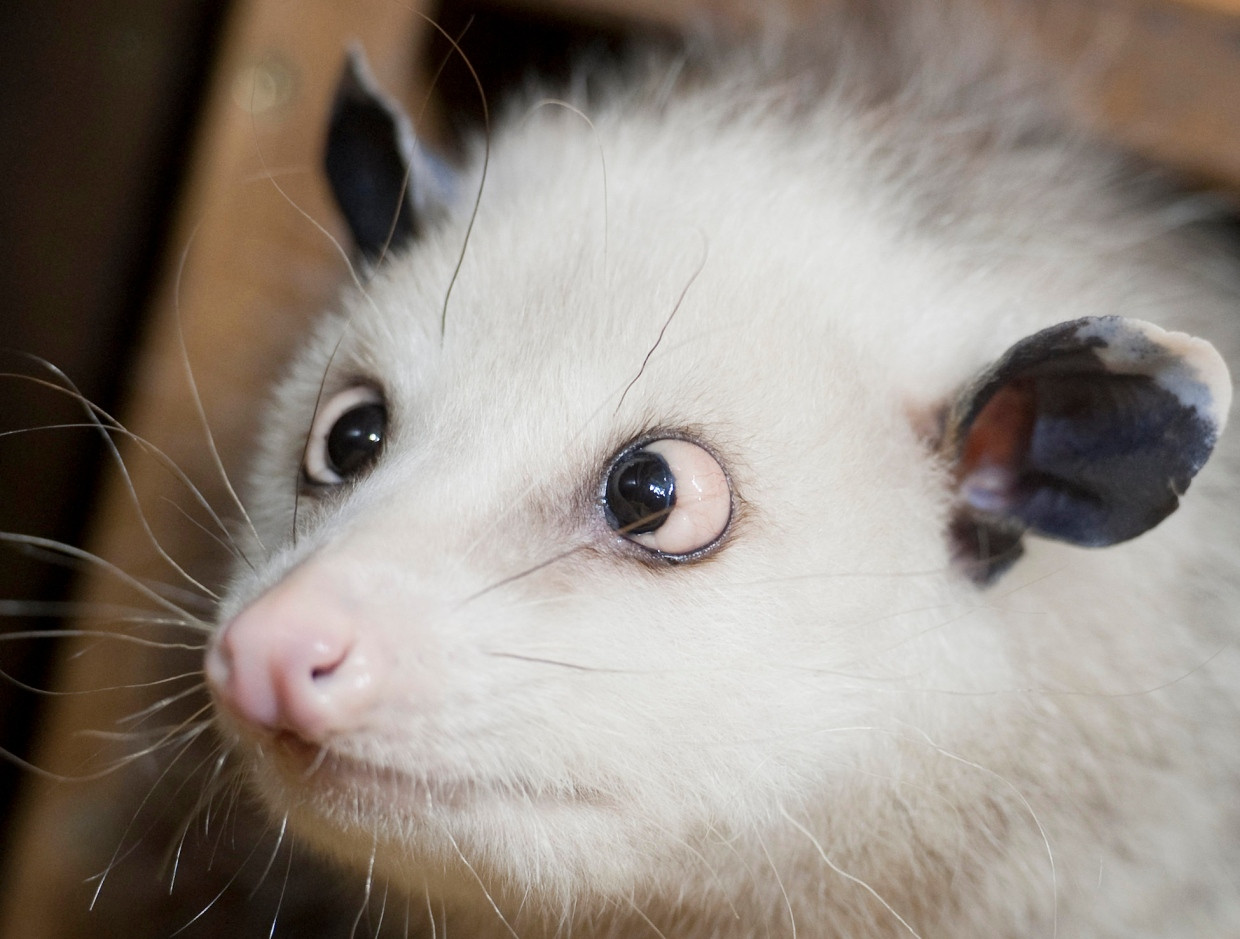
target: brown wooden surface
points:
(255, 266)
(1219, 6)
(1165, 80)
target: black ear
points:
(1087, 432)
(386, 185)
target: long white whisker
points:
(370, 879)
(1033, 815)
(73, 692)
(117, 854)
(98, 415)
(275, 851)
(196, 397)
(644, 918)
(112, 426)
(188, 729)
(59, 547)
(847, 876)
(138, 717)
(430, 914)
(779, 880)
(382, 909)
(210, 788)
(288, 869)
(102, 634)
(485, 892)
(223, 890)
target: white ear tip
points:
(1188, 367)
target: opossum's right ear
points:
(1086, 432)
(386, 184)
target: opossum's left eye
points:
(346, 437)
(669, 496)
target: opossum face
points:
(611, 553)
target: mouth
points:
(335, 777)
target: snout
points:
(296, 661)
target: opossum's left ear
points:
(386, 184)
(1087, 432)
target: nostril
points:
(327, 669)
(325, 656)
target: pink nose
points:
(292, 661)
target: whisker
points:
(228, 544)
(533, 569)
(486, 163)
(207, 792)
(314, 413)
(644, 918)
(1033, 816)
(559, 663)
(187, 730)
(147, 447)
(779, 880)
(500, 517)
(275, 851)
(370, 877)
(430, 914)
(666, 323)
(54, 693)
(98, 415)
(382, 909)
(269, 177)
(60, 547)
(196, 397)
(485, 892)
(117, 855)
(288, 869)
(843, 873)
(170, 739)
(140, 716)
(223, 890)
(103, 634)
(556, 558)
(404, 183)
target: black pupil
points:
(640, 492)
(356, 437)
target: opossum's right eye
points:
(346, 437)
(670, 496)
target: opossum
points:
(744, 503)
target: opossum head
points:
(613, 528)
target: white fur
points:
(823, 722)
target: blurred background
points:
(138, 139)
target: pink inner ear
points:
(995, 449)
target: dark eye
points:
(346, 437)
(670, 496)
(641, 491)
